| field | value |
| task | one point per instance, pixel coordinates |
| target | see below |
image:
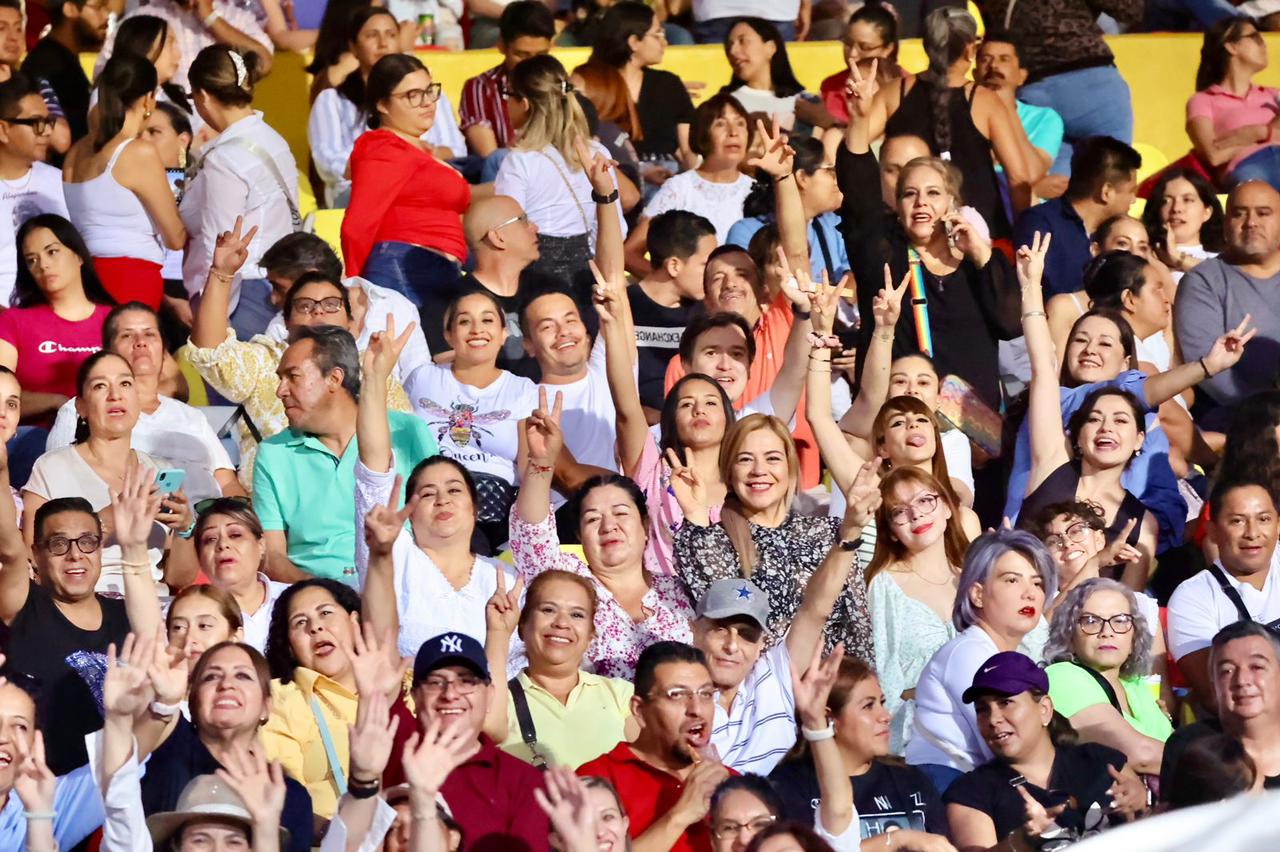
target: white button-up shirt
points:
(234, 180)
(335, 125)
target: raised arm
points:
(543, 440)
(829, 580)
(873, 390)
(212, 317)
(382, 526)
(1222, 356)
(840, 458)
(812, 688)
(1044, 412)
(15, 558)
(373, 432)
(501, 616)
(599, 169)
(134, 512)
(633, 427)
(371, 740)
(428, 759)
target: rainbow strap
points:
(920, 302)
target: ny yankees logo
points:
(451, 644)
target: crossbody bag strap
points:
(269, 162)
(242, 413)
(586, 226)
(920, 302)
(330, 753)
(827, 259)
(1231, 593)
(524, 718)
(1103, 683)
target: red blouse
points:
(400, 193)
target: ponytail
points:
(948, 32)
(123, 81)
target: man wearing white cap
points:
(754, 725)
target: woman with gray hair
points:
(1100, 648)
(1005, 581)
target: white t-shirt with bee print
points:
(477, 427)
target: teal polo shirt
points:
(304, 490)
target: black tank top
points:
(970, 151)
(1060, 487)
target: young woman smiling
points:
(911, 584)
(474, 407)
(576, 716)
(759, 536)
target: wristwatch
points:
(849, 545)
(604, 199)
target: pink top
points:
(1230, 112)
(50, 348)
(832, 91)
(619, 639)
(665, 514)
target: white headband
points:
(242, 73)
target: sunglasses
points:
(203, 506)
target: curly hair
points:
(1060, 647)
(279, 654)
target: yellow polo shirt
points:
(292, 735)
(571, 734)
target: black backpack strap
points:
(827, 260)
(1230, 591)
(525, 719)
(1105, 684)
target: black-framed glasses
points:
(861, 48)
(1093, 624)
(311, 307)
(60, 545)
(1074, 534)
(917, 508)
(730, 829)
(419, 97)
(39, 124)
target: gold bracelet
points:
(221, 276)
(1034, 314)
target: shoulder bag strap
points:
(269, 162)
(826, 251)
(1231, 593)
(330, 753)
(569, 186)
(920, 302)
(242, 413)
(528, 732)
(1102, 682)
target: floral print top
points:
(788, 556)
(619, 638)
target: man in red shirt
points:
(666, 777)
(491, 793)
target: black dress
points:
(970, 310)
(1060, 486)
(970, 151)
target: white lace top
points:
(721, 203)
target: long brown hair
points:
(733, 516)
(911, 405)
(888, 548)
(608, 93)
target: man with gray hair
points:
(1244, 663)
(304, 478)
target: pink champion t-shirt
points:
(1230, 112)
(50, 348)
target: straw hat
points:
(205, 798)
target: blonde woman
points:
(543, 173)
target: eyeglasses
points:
(1075, 534)
(309, 307)
(522, 218)
(39, 124)
(861, 48)
(420, 97)
(1092, 624)
(1255, 35)
(729, 829)
(464, 685)
(203, 505)
(684, 695)
(659, 34)
(922, 505)
(60, 545)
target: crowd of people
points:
(855, 469)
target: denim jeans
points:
(254, 311)
(410, 270)
(716, 30)
(1179, 15)
(1263, 165)
(1091, 101)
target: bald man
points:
(503, 242)
(1215, 296)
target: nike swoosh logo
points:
(989, 669)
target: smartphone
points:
(170, 479)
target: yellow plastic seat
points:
(327, 225)
(1153, 160)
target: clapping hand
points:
(384, 522)
(502, 612)
(1229, 348)
(543, 437)
(383, 352)
(778, 156)
(563, 798)
(231, 249)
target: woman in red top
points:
(403, 227)
(57, 319)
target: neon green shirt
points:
(1073, 689)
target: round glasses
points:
(60, 545)
(1093, 624)
(1074, 534)
(419, 97)
(311, 307)
(917, 508)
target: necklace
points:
(948, 581)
